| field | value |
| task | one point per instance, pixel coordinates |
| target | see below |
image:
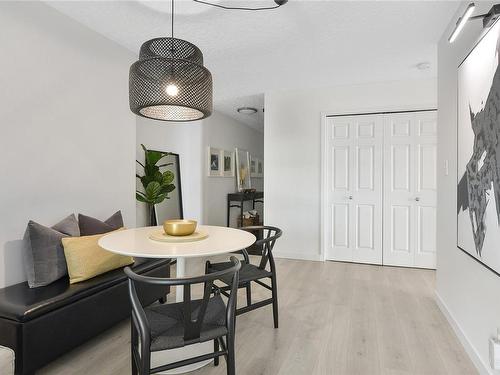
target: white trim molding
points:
(296, 256)
(482, 367)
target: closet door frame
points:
(324, 211)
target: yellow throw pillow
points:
(86, 259)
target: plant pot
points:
(152, 216)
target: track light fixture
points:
(488, 19)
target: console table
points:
(238, 199)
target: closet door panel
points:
(355, 191)
(410, 189)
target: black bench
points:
(43, 323)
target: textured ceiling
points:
(300, 45)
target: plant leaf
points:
(152, 190)
(150, 170)
(167, 188)
(160, 198)
(167, 177)
(158, 177)
(153, 157)
(141, 198)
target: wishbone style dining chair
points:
(251, 273)
(173, 325)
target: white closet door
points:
(354, 172)
(410, 189)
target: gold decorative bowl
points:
(179, 227)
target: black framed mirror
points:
(171, 208)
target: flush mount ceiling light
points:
(277, 2)
(247, 110)
(488, 19)
(169, 81)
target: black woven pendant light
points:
(169, 81)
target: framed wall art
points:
(478, 152)
(214, 164)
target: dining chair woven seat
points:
(248, 272)
(167, 323)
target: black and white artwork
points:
(214, 168)
(478, 154)
(228, 160)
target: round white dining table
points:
(137, 243)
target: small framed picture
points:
(214, 168)
(227, 158)
(260, 168)
(253, 166)
(256, 167)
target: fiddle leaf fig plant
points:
(156, 184)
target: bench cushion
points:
(20, 303)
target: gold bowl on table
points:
(179, 227)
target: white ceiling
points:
(303, 44)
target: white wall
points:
(184, 139)
(467, 291)
(67, 135)
(292, 135)
(204, 198)
(221, 131)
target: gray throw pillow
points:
(44, 255)
(90, 226)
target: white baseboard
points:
(296, 256)
(483, 368)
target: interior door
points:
(410, 189)
(354, 198)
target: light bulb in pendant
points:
(172, 90)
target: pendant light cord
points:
(172, 49)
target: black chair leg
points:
(216, 349)
(145, 365)
(249, 294)
(275, 300)
(133, 343)
(231, 365)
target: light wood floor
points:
(335, 318)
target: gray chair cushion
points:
(167, 327)
(44, 254)
(248, 272)
(90, 226)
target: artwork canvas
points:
(256, 167)
(253, 166)
(478, 152)
(242, 169)
(214, 162)
(227, 158)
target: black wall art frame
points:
(478, 152)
